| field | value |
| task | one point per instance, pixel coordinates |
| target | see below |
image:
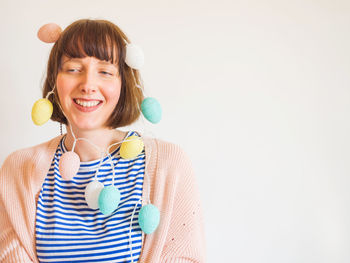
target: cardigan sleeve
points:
(185, 241)
(11, 250)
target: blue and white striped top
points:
(67, 230)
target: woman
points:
(46, 216)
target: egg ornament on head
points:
(49, 33)
(69, 165)
(134, 57)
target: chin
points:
(87, 125)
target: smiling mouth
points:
(87, 104)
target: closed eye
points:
(73, 70)
(106, 73)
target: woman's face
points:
(89, 90)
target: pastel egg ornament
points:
(41, 111)
(149, 218)
(131, 148)
(49, 33)
(134, 57)
(108, 199)
(92, 192)
(151, 110)
(69, 165)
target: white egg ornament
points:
(151, 110)
(92, 192)
(149, 217)
(108, 199)
(41, 111)
(134, 57)
(131, 148)
(69, 165)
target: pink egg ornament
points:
(69, 165)
(49, 33)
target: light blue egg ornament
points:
(151, 109)
(108, 199)
(149, 218)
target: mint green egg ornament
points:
(149, 218)
(151, 109)
(109, 199)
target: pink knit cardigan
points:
(178, 238)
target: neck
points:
(102, 138)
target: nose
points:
(88, 83)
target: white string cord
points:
(132, 217)
(146, 177)
(113, 168)
(99, 165)
(49, 93)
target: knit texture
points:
(173, 189)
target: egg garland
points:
(97, 196)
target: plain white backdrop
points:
(256, 92)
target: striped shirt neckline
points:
(67, 230)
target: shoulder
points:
(169, 147)
(30, 152)
(169, 156)
(27, 157)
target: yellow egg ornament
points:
(131, 148)
(41, 111)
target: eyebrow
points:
(101, 62)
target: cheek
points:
(63, 88)
(60, 81)
(113, 93)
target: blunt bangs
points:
(90, 38)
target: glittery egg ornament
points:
(108, 199)
(92, 192)
(41, 111)
(134, 57)
(69, 165)
(131, 148)
(149, 217)
(49, 33)
(151, 109)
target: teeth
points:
(87, 103)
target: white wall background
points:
(257, 92)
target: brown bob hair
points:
(105, 41)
